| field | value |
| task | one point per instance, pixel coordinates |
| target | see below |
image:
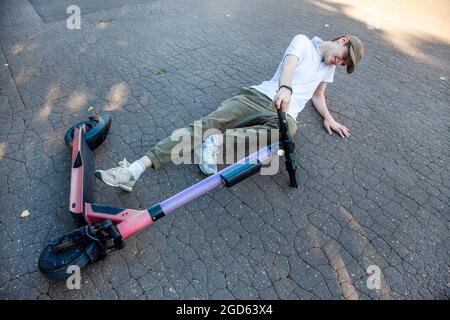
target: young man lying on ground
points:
(306, 68)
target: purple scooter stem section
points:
(209, 183)
(191, 193)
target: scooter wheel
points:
(97, 128)
(61, 253)
(68, 137)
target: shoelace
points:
(211, 154)
(122, 164)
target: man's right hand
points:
(282, 100)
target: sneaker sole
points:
(208, 174)
(98, 175)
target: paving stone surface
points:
(380, 197)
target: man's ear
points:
(343, 40)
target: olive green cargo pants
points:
(248, 110)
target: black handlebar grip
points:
(242, 172)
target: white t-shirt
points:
(308, 74)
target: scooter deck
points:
(81, 180)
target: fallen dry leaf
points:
(25, 213)
(106, 20)
(160, 72)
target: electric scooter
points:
(106, 227)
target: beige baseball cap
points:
(355, 51)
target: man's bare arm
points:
(283, 97)
(329, 123)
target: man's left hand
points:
(331, 124)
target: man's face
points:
(338, 54)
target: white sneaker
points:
(209, 150)
(120, 176)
